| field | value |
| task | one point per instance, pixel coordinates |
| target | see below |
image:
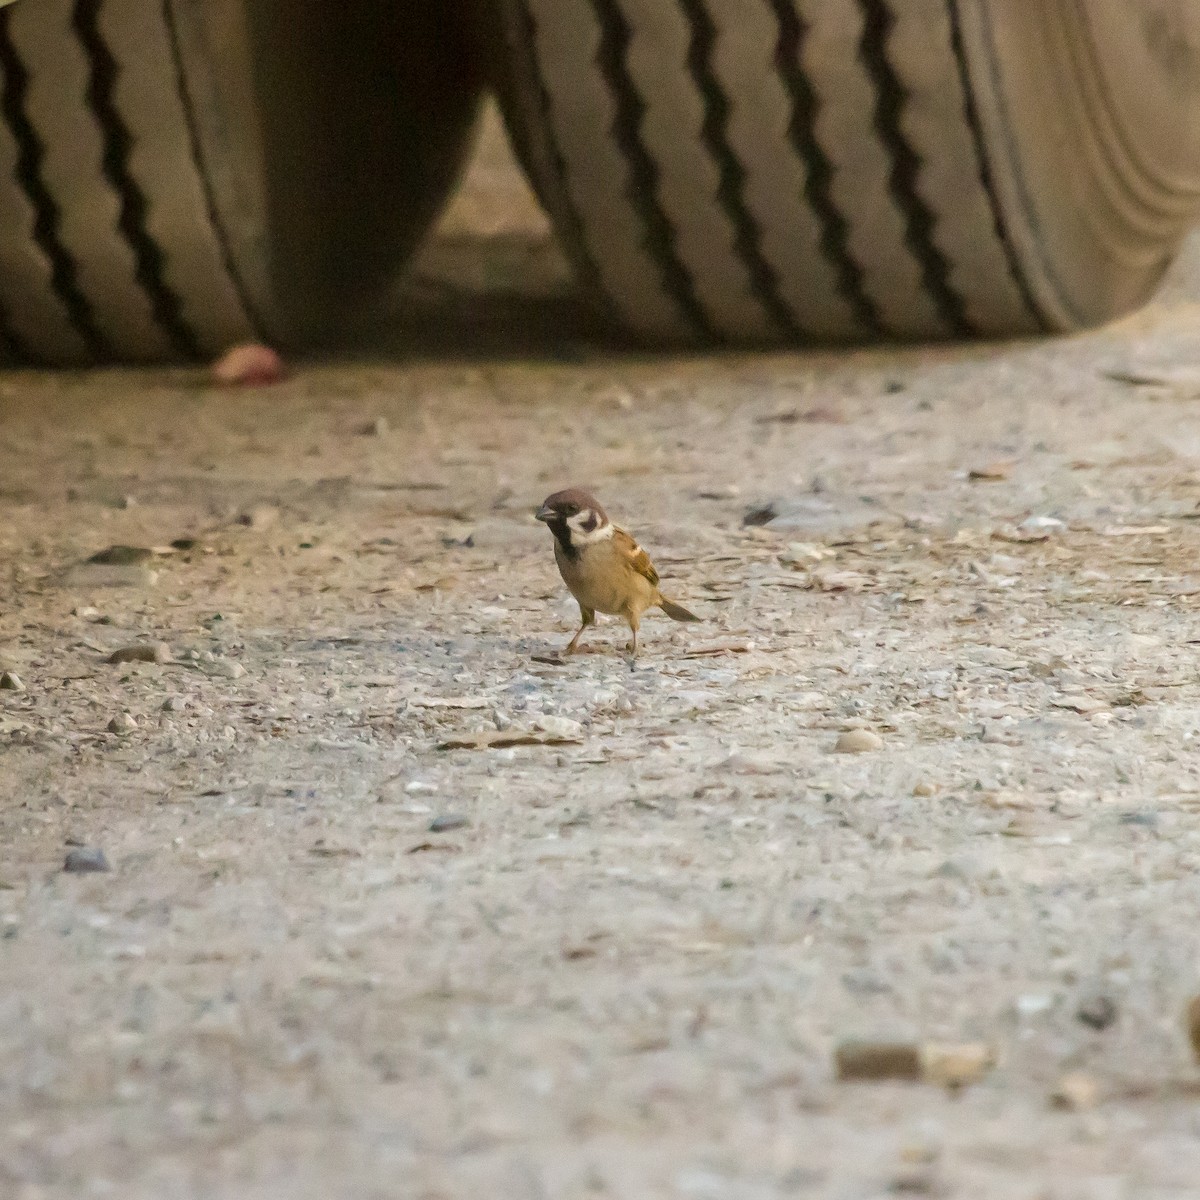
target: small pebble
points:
(249, 365)
(259, 516)
(1148, 820)
(857, 741)
(174, 704)
(83, 859)
(377, 428)
(150, 652)
(1038, 524)
(1033, 1004)
(1192, 1023)
(446, 822)
(804, 554)
(956, 1066)
(122, 723)
(1076, 1091)
(878, 1060)
(122, 556)
(227, 670)
(562, 727)
(10, 681)
(1098, 1011)
(924, 788)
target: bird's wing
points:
(633, 554)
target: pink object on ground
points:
(250, 365)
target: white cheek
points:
(585, 537)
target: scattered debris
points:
(563, 727)
(819, 414)
(840, 581)
(804, 554)
(448, 821)
(763, 514)
(259, 516)
(10, 681)
(1086, 706)
(944, 1064)
(1033, 1004)
(122, 556)
(992, 472)
(857, 1060)
(956, 1066)
(1040, 524)
(857, 741)
(712, 649)
(1113, 531)
(496, 739)
(1096, 1011)
(1076, 1091)
(321, 849)
(1184, 379)
(81, 860)
(147, 652)
(122, 723)
(1019, 536)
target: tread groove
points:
(891, 97)
(165, 304)
(584, 261)
(30, 153)
(971, 113)
(658, 232)
(818, 188)
(764, 280)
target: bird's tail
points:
(676, 611)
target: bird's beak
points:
(544, 513)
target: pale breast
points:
(600, 578)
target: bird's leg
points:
(633, 629)
(587, 617)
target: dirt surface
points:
(333, 958)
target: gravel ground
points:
(399, 906)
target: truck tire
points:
(179, 175)
(787, 170)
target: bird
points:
(604, 567)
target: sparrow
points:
(606, 570)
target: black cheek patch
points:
(590, 523)
(562, 534)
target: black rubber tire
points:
(785, 170)
(179, 175)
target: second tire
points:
(788, 170)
